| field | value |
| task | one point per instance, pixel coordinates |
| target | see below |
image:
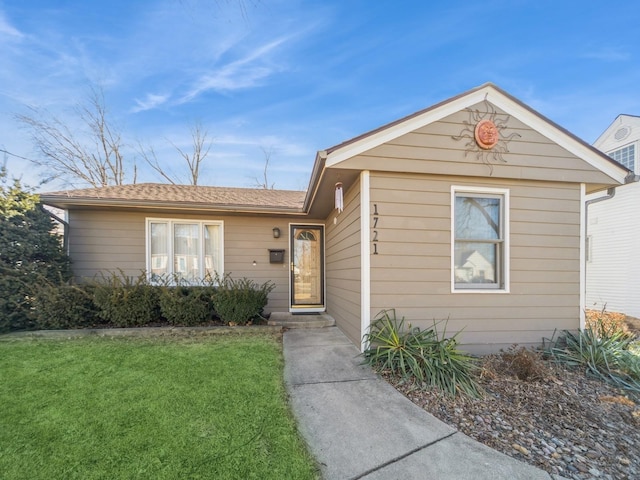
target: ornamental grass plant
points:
(424, 357)
(603, 350)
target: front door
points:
(307, 268)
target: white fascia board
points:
(498, 99)
(558, 136)
(402, 128)
(608, 131)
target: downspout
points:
(611, 192)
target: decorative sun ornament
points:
(484, 132)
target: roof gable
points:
(335, 156)
(624, 130)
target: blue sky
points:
(296, 76)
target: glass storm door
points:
(307, 272)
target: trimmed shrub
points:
(127, 302)
(64, 306)
(237, 302)
(185, 305)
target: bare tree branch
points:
(150, 157)
(265, 178)
(96, 160)
(7, 152)
(201, 146)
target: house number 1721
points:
(374, 236)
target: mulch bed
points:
(552, 417)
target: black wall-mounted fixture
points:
(276, 256)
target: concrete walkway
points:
(359, 427)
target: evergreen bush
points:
(126, 301)
(30, 254)
(65, 306)
(238, 301)
(187, 305)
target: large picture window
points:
(184, 250)
(479, 239)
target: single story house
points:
(472, 210)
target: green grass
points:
(208, 408)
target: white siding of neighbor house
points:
(110, 240)
(613, 266)
(343, 265)
(411, 272)
(613, 231)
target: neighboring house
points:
(479, 183)
(613, 230)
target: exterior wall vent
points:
(622, 133)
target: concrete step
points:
(301, 320)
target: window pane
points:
(626, 156)
(211, 250)
(159, 249)
(476, 262)
(477, 218)
(185, 249)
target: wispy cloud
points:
(245, 72)
(6, 29)
(150, 101)
(608, 55)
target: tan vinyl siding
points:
(343, 265)
(102, 241)
(106, 241)
(412, 271)
(432, 149)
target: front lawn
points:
(205, 408)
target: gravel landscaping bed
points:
(556, 419)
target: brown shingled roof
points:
(180, 195)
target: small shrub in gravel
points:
(520, 362)
(607, 324)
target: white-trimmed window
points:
(626, 156)
(187, 250)
(479, 239)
